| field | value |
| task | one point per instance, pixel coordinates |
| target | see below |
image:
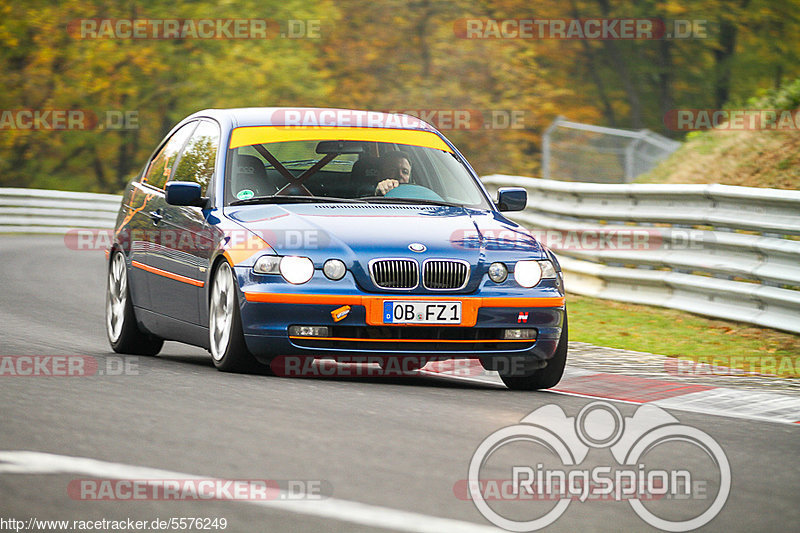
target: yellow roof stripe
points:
(248, 136)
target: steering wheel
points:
(413, 192)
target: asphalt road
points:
(386, 453)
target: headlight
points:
(296, 270)
(498, 272)
(334, 269)
(548, 270)
(267, 264)
(529, 273)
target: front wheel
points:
(548, 376)
(123, 333)
(226, 339)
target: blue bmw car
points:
(264, 233)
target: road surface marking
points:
(30, 462)
(666, 393)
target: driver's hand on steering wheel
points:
(395, 168)
(386, 186)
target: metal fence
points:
(44, 211)
(572, 151)
(716, 250)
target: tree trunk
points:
(728, 32)
(620, 66)
(665, 99)
(592, 65)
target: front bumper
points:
(268, 309)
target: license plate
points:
(419, 312)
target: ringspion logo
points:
(666, 494)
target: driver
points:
(395, 169)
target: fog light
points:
(309, 331)
(498, 272)
(519, 334)
(334, 269)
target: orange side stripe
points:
(325, 299)
(522, 302)
(406, 340)
(167, 274)
(330, 299)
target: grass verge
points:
(684, 335)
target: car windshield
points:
(336, 170)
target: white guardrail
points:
(716, 250)
(45, 211)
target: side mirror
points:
(185, 193)
(511, 198)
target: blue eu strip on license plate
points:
(421, 312)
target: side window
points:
(159, 171)
(197, 160)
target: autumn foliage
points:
(409, 55)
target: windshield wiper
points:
(412, 201)
(290, 199)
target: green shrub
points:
(787, 96)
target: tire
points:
(226, 339)
(123, 333)
(547, 377)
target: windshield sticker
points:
(252, 135)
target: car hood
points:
(357, 233)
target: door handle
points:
(156, 216)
